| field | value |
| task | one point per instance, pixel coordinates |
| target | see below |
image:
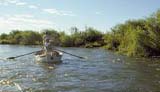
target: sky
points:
(64, 14)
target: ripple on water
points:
(103, 71)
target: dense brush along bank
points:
(139, 37)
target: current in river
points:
(102, 71)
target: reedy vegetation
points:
(134, 37)
(88, 38)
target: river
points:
(102, 71)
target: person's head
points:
(46, 33)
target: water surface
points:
(102, 71)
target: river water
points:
(102, 71)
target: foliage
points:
(76, 38)
(21, 37)
(134, 37)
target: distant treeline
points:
(90, 37)
(134, 37)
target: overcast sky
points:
(63, 14)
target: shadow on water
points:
(102, 71)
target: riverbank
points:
(90, 37)
(139, 37)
